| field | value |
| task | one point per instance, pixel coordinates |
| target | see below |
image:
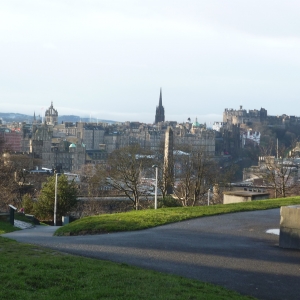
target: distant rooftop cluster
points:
(69, 145)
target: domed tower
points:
(196, 124)
(51, 115)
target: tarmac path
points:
(231, 250)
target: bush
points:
(28, 204)
(169, 201)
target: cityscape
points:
(149, 149)
(69, 146)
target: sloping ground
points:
(136, 220)
(231, 250)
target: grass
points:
(6, 227)
(32, 272)
(136, 220)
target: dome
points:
(72, 146)
(196, 123)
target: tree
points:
(196, 173)
(93, 179)
(14, 183)
(28, 204)
(280, 173)
(127, 166)
(66, 198)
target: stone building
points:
(91, 134)
(57, 146)
(51, 115)
(241, 116)
(160, 111)
(69, 145)
(67, 156)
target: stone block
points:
(290, 227)
(65, 220)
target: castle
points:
(241, 116)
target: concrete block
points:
(290, 227)
(65, 220)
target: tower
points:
(168, 162)
(51, 115)
(34, 119)
(160, 111)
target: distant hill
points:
(15, 117)
(74, 119)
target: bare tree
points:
(93, 179)
(196, 173)
(14, 182)
(184, 178)
(278, 172)
(127, 166)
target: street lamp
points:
(208, 196)
(55, 199)
(156, 176)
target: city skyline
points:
(108, 59)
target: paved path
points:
(231, 250)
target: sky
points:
(109, 59)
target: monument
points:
(168, 161)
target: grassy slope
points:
(136, 220)
(32, 272)
(5, 227)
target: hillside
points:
(16, 117)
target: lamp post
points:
(55, 199)
(208, 196)
(156, 177)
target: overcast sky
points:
(108, 59)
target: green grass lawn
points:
(136, 220)
(5, 227)
(32, 272)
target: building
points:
(67, 156)
(10, 140)
(241, 116)
(70, 145)
(250, 136)
(218, 125)
(51, 115)
(243, 196)
(160, 111)
(91, 134)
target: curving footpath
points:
(231, 250)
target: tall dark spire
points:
(160, 111)
(160, 99)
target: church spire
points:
(160, 99)
(160, 111)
